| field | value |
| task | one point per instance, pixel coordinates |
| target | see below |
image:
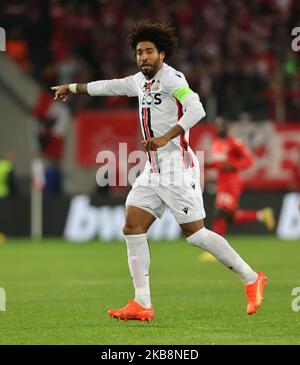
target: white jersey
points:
(159, 111)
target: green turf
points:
(59, 293)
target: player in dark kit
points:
(230, 156)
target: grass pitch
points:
(59, 293)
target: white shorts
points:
(181, 192)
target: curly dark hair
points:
(161, 34)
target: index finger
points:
(54, 87)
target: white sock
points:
(139, 262)
(220, 248)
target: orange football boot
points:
(133, 311)
(255, 293)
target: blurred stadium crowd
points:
(236, 54)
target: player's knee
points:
(129, 229)
(188, 229)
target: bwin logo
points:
(2, 39)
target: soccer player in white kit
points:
(168, 109)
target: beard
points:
(150, 70)
(149, 73)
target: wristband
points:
(73, 88)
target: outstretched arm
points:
(126, 86)
(63, 91)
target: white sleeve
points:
(193, 111)
(126, 86)
(174, 82)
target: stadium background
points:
(237, 55)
